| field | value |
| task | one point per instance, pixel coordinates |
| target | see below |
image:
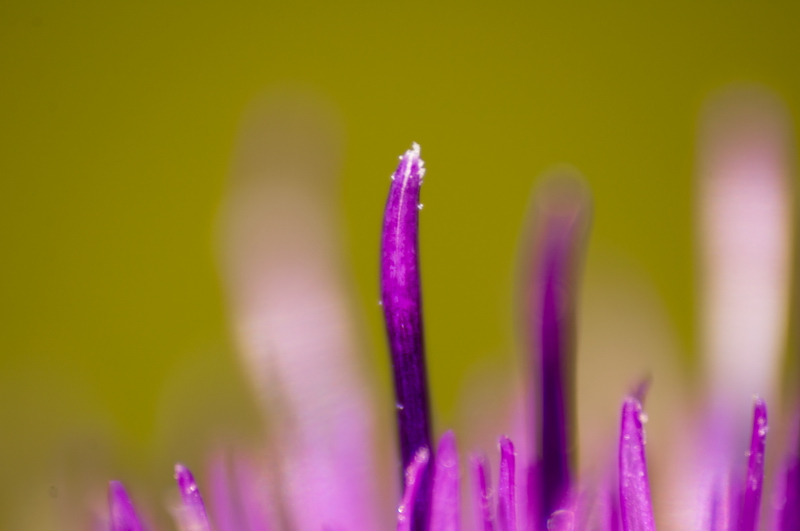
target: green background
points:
(117, 126)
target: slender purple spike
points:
(636, 508)
(123, 515)
(413, 481)
(445, 499)
(402, 306)
(561, 227)
(193, 516)
(482, 496)
(754, 484)
(506, 487)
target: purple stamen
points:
(754, 483)
(506, 487)
(415, 473)
(636, 508)
(193, 515)
(123, 515)
(445, 500)
(402, 305)
(482, 495)
(562, 224)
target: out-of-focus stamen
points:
(561, 226)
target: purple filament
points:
(482, 497)
(122, 514)
(754, 482)
(402, 305)
(506, 487)
(551, 314)
(194, 511)
(414, 476)
(636, 508)
(445, 499)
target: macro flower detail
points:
(539, 485)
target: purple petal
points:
(445, 499)
(720, 510)
(482, 495)
(123, 515)
(745, 233)
(402, 306)
(561, 226)
(506, 487)
(193, 516)
(754, 483)
(636, 507)
(291, 315)
(222, 496)
(413, 480)
(255, 496)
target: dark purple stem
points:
(123, 516)
(561, 231)
(402, 307)
(754, 483)
(636, 507)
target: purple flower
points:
(322, 472)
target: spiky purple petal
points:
(402, 305)
(506, 487)
(445, 499)
(122, 513)
(636, 508)
(415, 472)
(482, 497)
(193, 516)
(754, 482)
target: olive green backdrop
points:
(117, 125)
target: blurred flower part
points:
(291, 318)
